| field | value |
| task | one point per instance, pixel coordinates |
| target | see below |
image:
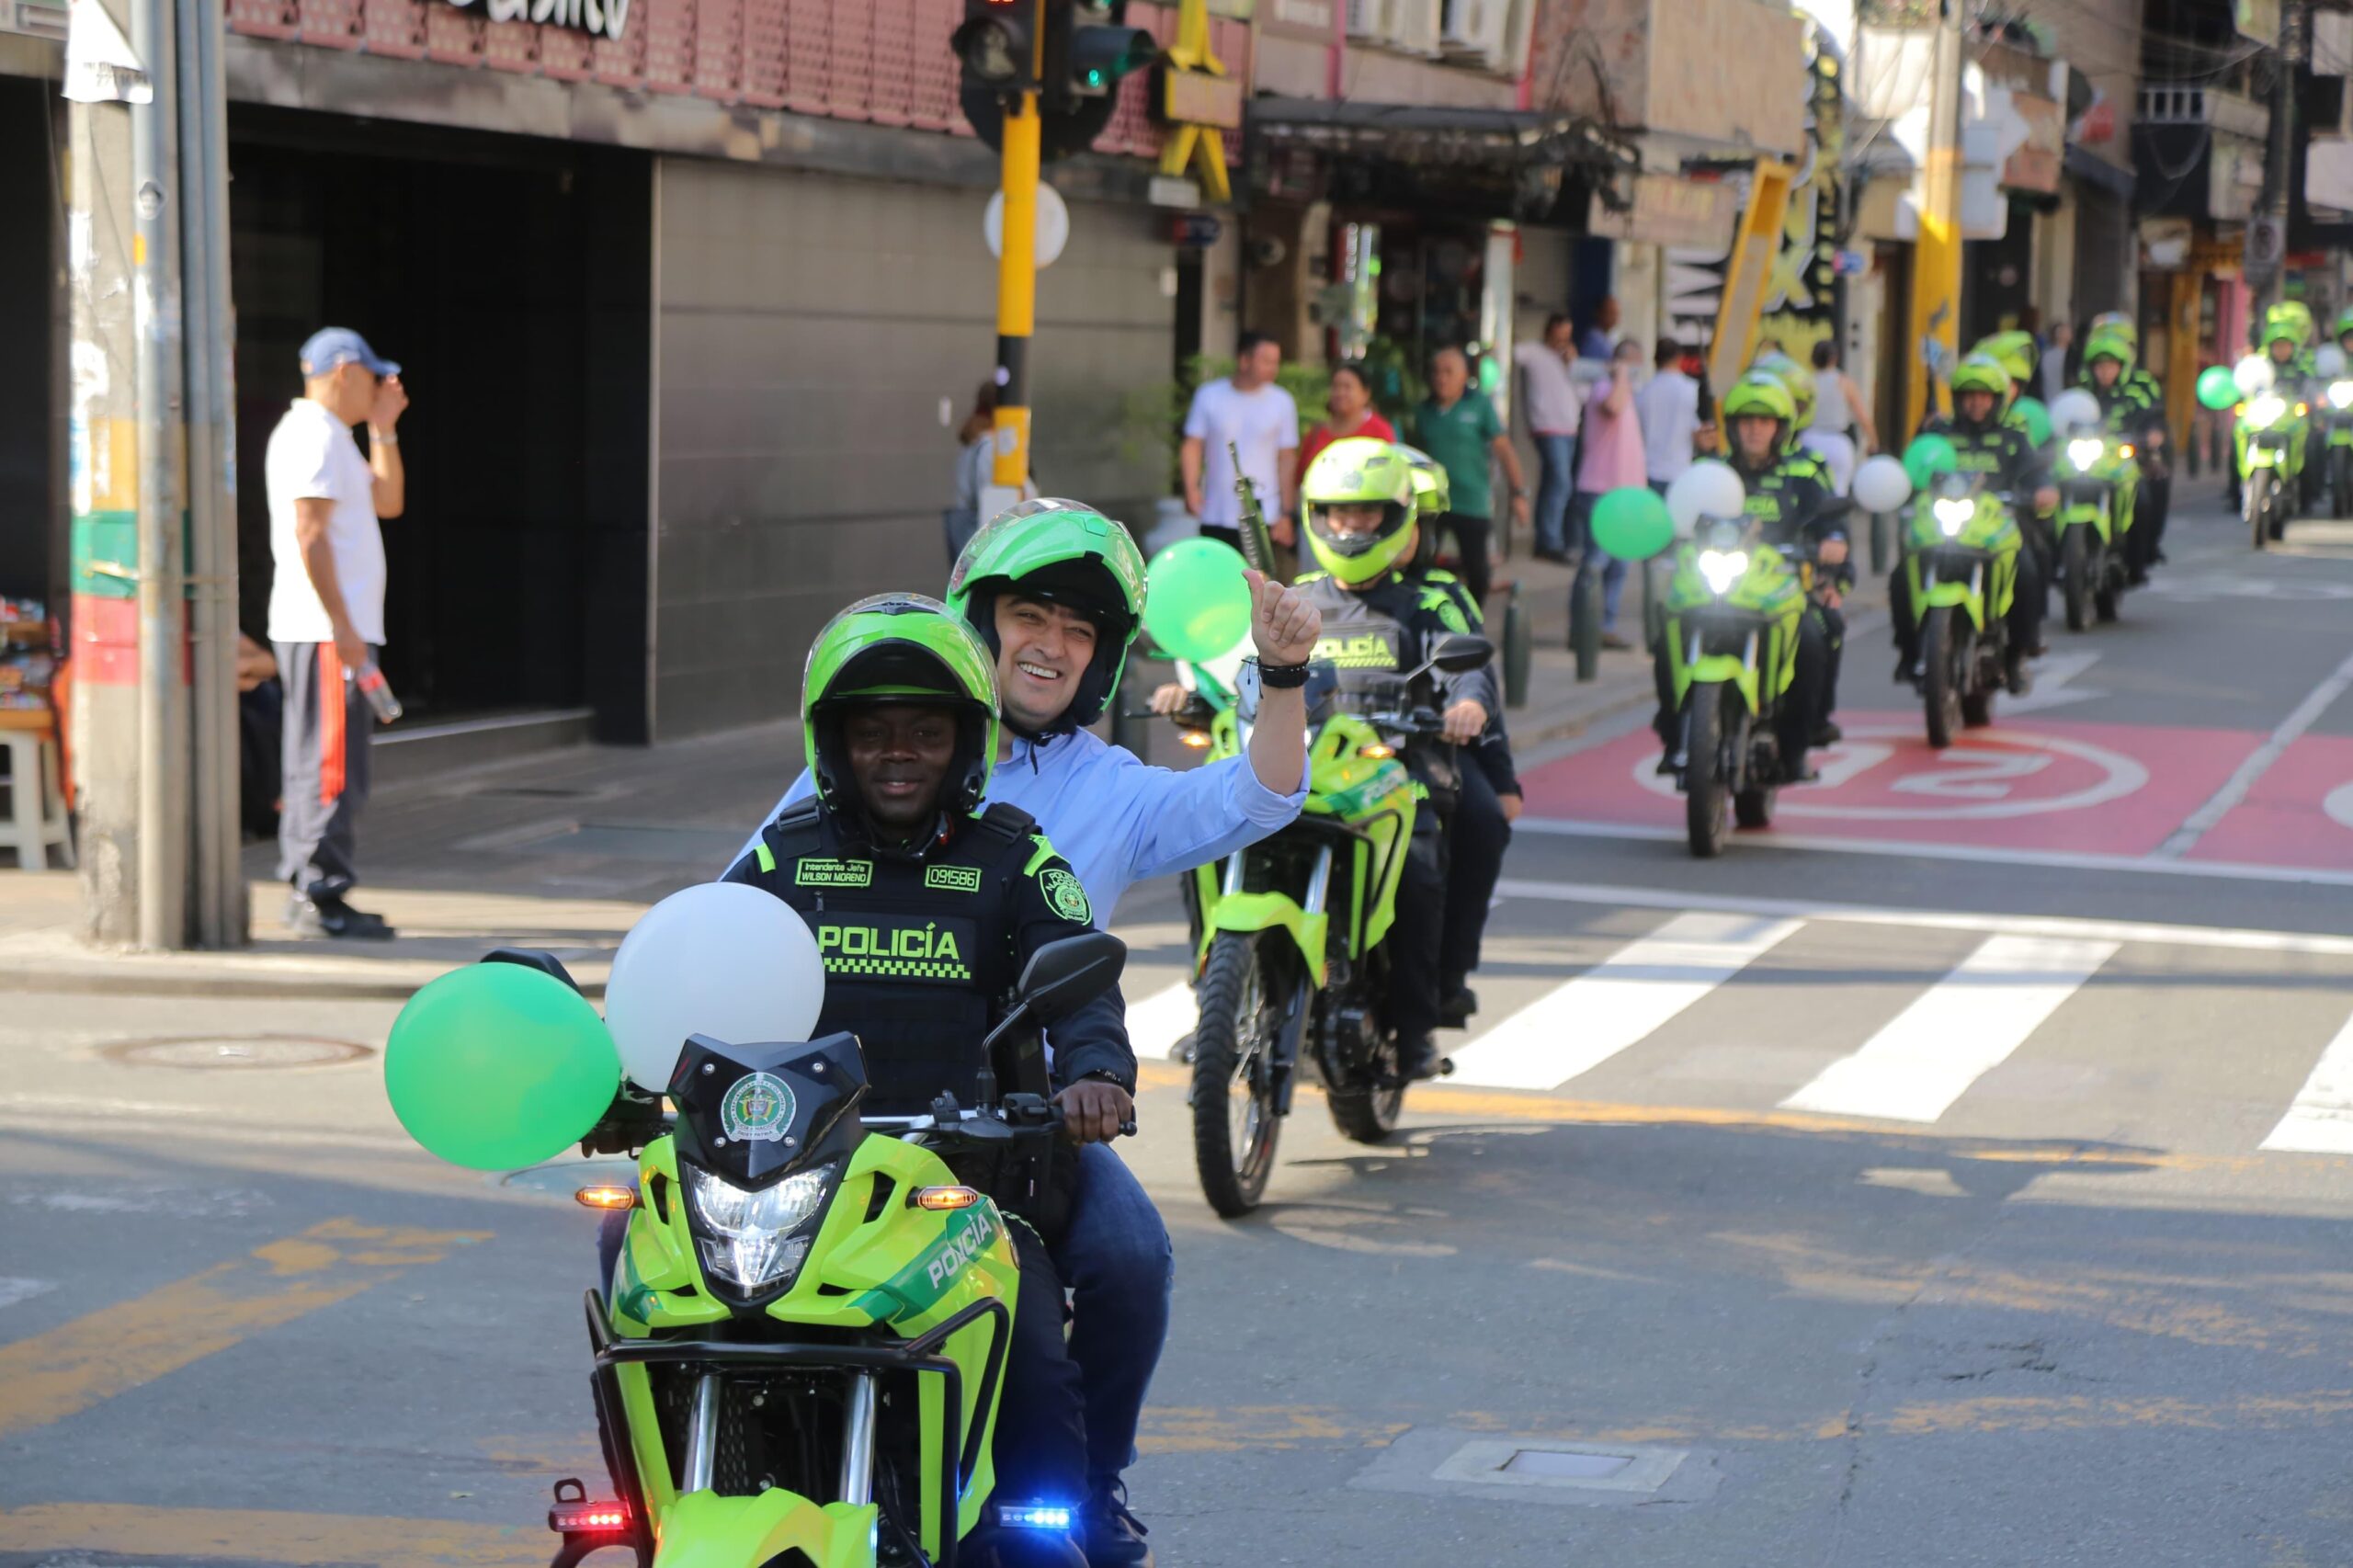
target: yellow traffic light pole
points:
(1017, 281)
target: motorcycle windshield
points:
(757, 1113)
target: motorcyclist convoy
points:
(2153, 502)
(1363, 528)
(1793, 509)
(2003, 460)
(924, 908)
(2129, 417)
(1054, 589)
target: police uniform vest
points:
(1373, 637)
(918, 954)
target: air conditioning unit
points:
(1414, 25)
(1368, 19)
(1474, 27)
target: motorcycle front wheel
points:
(1235, 1122)
(2076, 570)
(2258, 505)
(1703, 775)
(1946, 669)
(2340, 482)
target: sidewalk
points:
(565, 849)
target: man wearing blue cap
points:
(327, 613)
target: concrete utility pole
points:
(2266, 256)
(1935, 259)
(155, 780)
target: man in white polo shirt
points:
(327, 613)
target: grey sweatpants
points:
(323, 770)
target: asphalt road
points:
(1959, 1187)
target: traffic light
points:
(1081, 50)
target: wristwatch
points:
(1105, 1075)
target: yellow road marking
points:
(76, 1364)
(132, 1531)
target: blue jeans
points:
(1115, 1257)
(1613, 571)
(1554, 454)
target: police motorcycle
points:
(1960, 567)
(1731, 633)
(2097, 479)
(2273, 428)
(2335, 416)
(800, 1355)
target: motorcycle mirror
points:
(1460, 653)
(1063, 976)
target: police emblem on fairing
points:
(758, 1109)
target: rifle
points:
(1257, 544)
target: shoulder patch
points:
(1066, 896)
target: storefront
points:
(32, 551)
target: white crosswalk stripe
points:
(1956, 1032)
(1580, 1024)
(2320, 1119)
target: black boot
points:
(1457, 1003)
(1114, 1536)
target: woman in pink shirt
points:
(1609, 457)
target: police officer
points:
(2128, 414)
(1822, 533)
(1358, 499)
(925, 911)
(2008, 462)
(2155, 499)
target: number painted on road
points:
(1974, 775)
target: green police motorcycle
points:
(1961, 566)
(2334, 412)
(2098, 481)
(799, 1354)
(1731, 636)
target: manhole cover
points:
(236, 1051)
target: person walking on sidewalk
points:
(1610, 457)
(1552, 405)
(1461, 429)
(1668, 409)
(1260, 421)
(327, 613)
(1838, 417)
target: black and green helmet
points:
(898, 648)
(1062, 552)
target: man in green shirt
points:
(1461, 429)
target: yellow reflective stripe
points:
(767, 857)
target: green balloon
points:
(1632, 524)
(497, 1067)
(1196, 603)
(2216, 389)
(1928, 457)
(2036, 418)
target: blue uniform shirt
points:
(1118, 820)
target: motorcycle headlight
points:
(1953, 515)
(2340, 394)
(2085, 450)
(2266, 410)
(1722, 568)
(746, 1236)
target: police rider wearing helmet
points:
(2000, 456)
(1357, 500)
(1830, 577)
(1054, 590)
(2145, 391)
(2106, 358)
(899, 723)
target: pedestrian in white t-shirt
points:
(1247, 411)
(1668, 406)
(1553, 403)
(327, 613)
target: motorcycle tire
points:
(1945, 677)
(1235, 1120)
(1703, 794)
(2258, 490)
(2075, 576)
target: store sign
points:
(602, 17)
(1668, 211)
(2328, 173)
(2033, 165)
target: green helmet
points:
(2296, 314)
(1797, 381)
(1761, 394)
(2104, 344)
(2016, 353)
(2282, 329)
(2119, 323)
(897, 648)
(1982, 372)
(1062, 552)
(1433, 493)
(1361, 471)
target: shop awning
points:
(1431, 133)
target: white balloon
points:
(1882, 485)
(2074, 407)
(2253, 375)
(1707, 489)
(2329, 360)
(719, 958)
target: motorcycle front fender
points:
(703, 1529)
(1720, 669)
(1254, 912)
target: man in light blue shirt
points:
(1056, 591)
